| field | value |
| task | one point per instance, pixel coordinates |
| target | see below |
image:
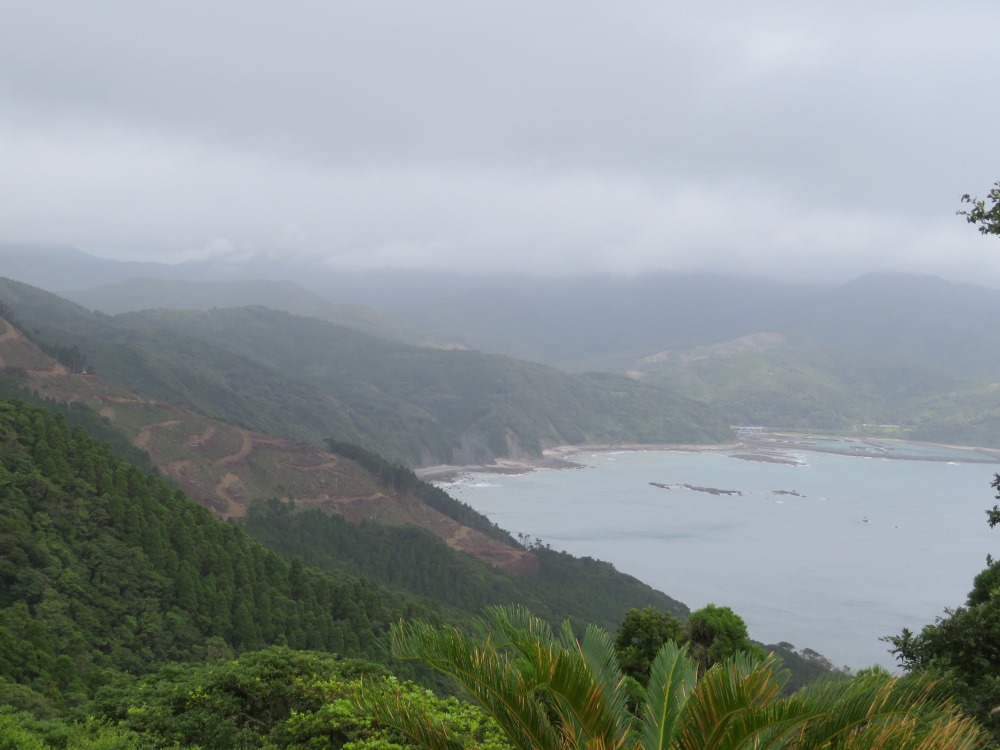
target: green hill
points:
(582, 590)
(465, 406)
(792, 382)
(893, 349)
(105, 566)
(233, 470)
(305, 378)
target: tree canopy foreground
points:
(987, 219)
(548, 690)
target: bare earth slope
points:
(226, 467)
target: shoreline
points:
(785, 441)
(558, 457)
(769, 448)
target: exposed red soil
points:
(261, 467)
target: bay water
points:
(829, 554)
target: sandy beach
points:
(559, 457)
(768, 448)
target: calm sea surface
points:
(866, 547)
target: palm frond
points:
(880, 711)
(736, 700)
(672, 678)
(409, 719)
(505, 692)
(548, 691)
(598, 650)
(590, 710)
(511, 621)
(770, 727)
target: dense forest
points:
(108, 576)
(107, 573)
(105, 566)
(582, 590)
(131, 618)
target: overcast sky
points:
(782, 139)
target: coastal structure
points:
(746, 429)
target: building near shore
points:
(747, 429)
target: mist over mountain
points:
(574, 322)
(577, 323)
(136, 294)
(906, 316)
(55, 267)
(74, 273)
(885, 349)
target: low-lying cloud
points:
(780, 140)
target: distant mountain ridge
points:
(55, 267)
(574, 323)
(915, 318)
(583, 324)
(136, 294)
(62, 269)
(905, 350)
(898, 349)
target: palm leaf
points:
(413, 721)
(879, 711)
(598, 650)
(505, 692)
(736, 701)
(672, 678)
(591, 711)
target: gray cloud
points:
(779, 139)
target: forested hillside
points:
(478, 405)
(885, 349)
(229, 469)
(107, 570)
(308, 379)
(796, 383)
(103, 565)
(408, 558)
(109, 578)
